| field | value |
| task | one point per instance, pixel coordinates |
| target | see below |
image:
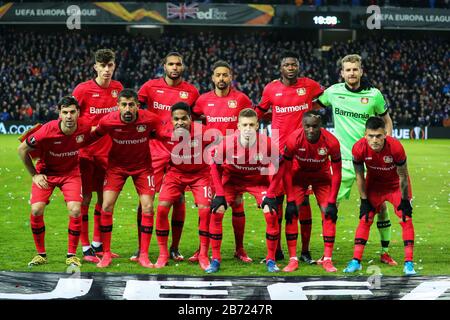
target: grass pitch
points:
(428, 163)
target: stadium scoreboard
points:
(323, 20)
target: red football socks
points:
(97, 216)
(292, 236)
(139, 218)
(146, 233)
(85, 226)
(38, 229)
(329, 233)
(305, 225)
(361, 236)
(238, 222)
(408, 239)
(74, 234)
(106, 221)
(162, 229)
(203, 230)
(272, 234)
(178, 217)
(215, 234)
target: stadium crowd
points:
(38, 68)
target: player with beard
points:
(353, 102)
(130, 129)
(220, 109)
(158, 96)
(289, 98)
(56, 143)
(97, 98)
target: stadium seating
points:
(39, 67)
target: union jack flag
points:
(182, 11)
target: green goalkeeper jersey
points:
(351, 109)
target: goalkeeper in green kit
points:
(352, 103)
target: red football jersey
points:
(381, 166)
(59, 152)
(222, 112)
(96, 102)
(129, 140)
(313, 158)
(159, 98)
(288, 105)
(190, 154)
(249, 165)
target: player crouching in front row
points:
(56, 143)
(312, 147)
(241, 164)
(386, 180)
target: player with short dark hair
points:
(317, 151)
(130, 129)
(158, 96)
(241, 163)
(386, 180)
(189, 167)
(289, 98)
(220, 109)
(57, 143)
(97, 98)
(353, 102)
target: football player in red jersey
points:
(189, 167)
(130, 129)
(158, 95)
(241, 163)
(57, 143)
(220, 109)
(288, 98)
(312, 147)
(386, 180)
(97, 98)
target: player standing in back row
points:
(159, 95)
(352, 103)
(290, 97)
(220, 108)
(97, 98)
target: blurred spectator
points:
(5, 115)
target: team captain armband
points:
(338, 160)
(400, 163)
(30, 131)
(355, 161)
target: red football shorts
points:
(93, 171)
(321, 192)
(143, 180)
(69, 185)
(378, 194)
(175, 184)
(93, 164)
(160, 162)
(235, 187)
